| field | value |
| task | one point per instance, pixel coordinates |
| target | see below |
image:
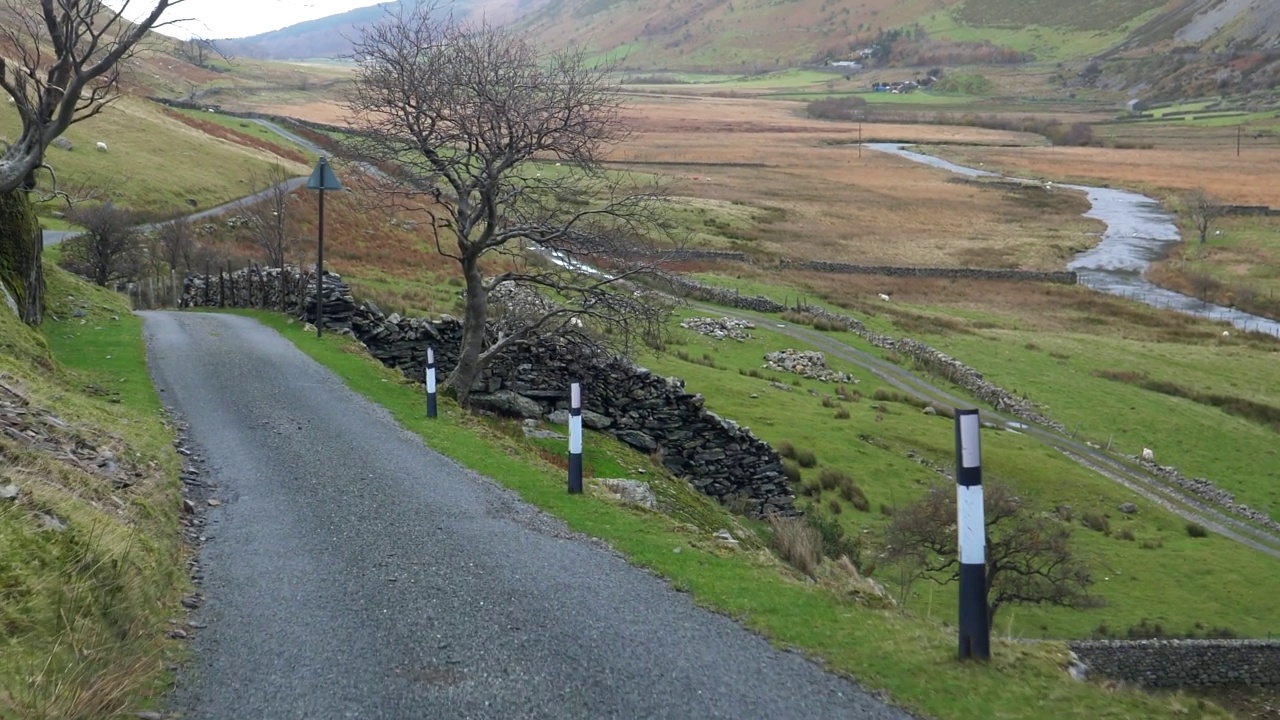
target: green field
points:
(889, 650)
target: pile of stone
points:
(719, 328)
(806, 363)
(1205, 489)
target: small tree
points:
(501, 146)
(1203, 209)
(60, 63)
(270, 222)
(1029, 557)
(175, 241)
(109, 249)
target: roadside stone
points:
(806, 363)
(1128, 508)
(506, 402)
(634, 492)
(9, 492)
(929, 410)
(720, 328)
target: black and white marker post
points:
(575, 439)
(975, 635)
(431, 382)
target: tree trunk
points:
(474, 320)
(21, 244)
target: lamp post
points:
(322, 178)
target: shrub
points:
(1196, 530)
(835, 506)
(886, 510)
(806, 458)
(830, 479)
(811, 489)
(786, 449)
(835, 543)
(1126, 534)
(1152, 544)
(842, 414)
(828, 401)
(791, 471)
(797, 543)
(1096, 521)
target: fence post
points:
(431, 382)
(975, 635)
(575, 438)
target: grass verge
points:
(90, 559)
(910, 658)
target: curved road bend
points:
(352, 572)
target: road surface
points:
(352, 572)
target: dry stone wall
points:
(1183, 663)
(646, 411)
(1065, 277)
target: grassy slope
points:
(1138, 583)
(84, 609)
(154, 162)
(886, 650)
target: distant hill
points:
(1123, 44)
(331, 36)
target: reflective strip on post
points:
(975, 635)
(575, 438)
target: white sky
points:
(241, 18)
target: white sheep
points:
(1225, 334)
(884, 297)
(1148, 455)
(102, 147)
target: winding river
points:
(1139, 232)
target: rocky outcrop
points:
(1183, 663)
(651, 413)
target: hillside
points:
(330, 37)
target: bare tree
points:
(501, 146)
(270, 222)
(1203, 209)
(61, 65)
(176, 244)
(110, 248)
(199, 51)
(1029, 558)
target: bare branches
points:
(1203, 209)
(65, 67)
(501, 145)
(1029, 558)
(110, 248)
(270, 222)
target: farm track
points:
(1139, 481)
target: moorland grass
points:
(883, 649)
(85, 607)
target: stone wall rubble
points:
(1183, 663)
(719, 328)
(806, 363)
(1065, 277)
(648, 412)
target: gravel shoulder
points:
(351, 571)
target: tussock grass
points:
(84, 607)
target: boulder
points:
(635, 492)
(505, 402)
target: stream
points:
(1139, 232)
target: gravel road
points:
(352, 572)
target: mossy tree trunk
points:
(21, 244)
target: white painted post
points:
(431, 382)
(975, 635)
(575, 439)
